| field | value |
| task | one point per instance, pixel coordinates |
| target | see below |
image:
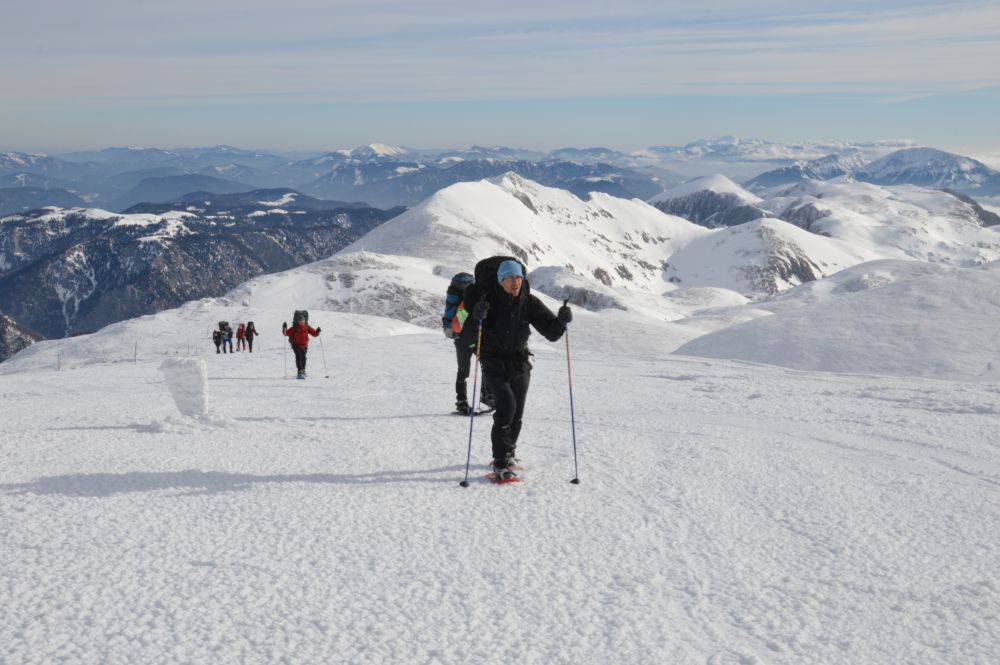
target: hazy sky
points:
(324, 74)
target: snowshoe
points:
(502, 475)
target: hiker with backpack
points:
(504, 309)
(298, 336)
(250, 332)
(240, 337)
(217, 339)
(454, 317)
(226, 335)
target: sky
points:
(316, 75)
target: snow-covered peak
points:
(615, 241)
(927, 167)
(717, 183)
(375, 151)
(832, 166)
(902, 221)
(765, 256)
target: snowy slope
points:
(889, 222)
(764, 256)
(882, 318)
(725, 514)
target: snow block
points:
(187, 379)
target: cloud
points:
(186, 52)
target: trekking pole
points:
(284, 373)
(323, 353)
(572, 415)
(472, 412)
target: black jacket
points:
(506, 327)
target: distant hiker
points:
(501, 300)
(226, 333)
(240, 337)
(217, 338)
(454, 317)
(250, 332)
(298, 337)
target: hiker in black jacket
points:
(501, 299)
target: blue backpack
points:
(453, 302)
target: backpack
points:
(223, 325)
(454, 314)
(251, 329)
(300, 315)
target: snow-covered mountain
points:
(14, 337)
(923, 167)
(824, 168)
(763, 256)
(711, 201)
(389, 184)
(872, 221)
(614, 241)
(587, 156)
(64, 271)
(502, 153)
(732, 147)
(927, 167)
(377, 152)
(890, 222)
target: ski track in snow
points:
(727, 513)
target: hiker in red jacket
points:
(298, 337)
(240, 337)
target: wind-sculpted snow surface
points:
(726, 514)
(891, 317)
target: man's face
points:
(512, 285)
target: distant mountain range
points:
(382, 176)
(706, 243)
(70, 270)
(805, 232)
(386, 176)
(924, 167)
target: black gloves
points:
(564, 315)
(318, 330)
(480, 310)
(284, 326)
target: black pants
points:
(507, 382)
(466, 356)
(464, 353)
(250, 343)
(218, 346)
(300, 357)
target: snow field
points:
(727, 513)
